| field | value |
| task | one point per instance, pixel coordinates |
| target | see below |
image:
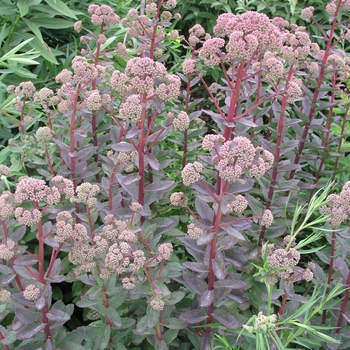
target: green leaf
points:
(23, 7)
(34, 28)
(42, 48)
(61, 7)
(52, 23)
(15, 49)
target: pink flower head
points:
(191, 173)
(307, 13)
(181, 122)
(210, 52)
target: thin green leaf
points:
(61, 7)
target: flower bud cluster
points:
(338, 207)
(43, 134)
(102, 15)
(27, 217)
(181, 122)
(87, 194)
(238, 205)
(4, 170)
(194, 231)
(34, 190)
(64, 186)
(256, 28)
(31, 292)
(6, 205)
(5, 296)
(236, 156)
(178, 199)
(267, 218)
(7, 249)
(144, 76)
(262, 323)
(283, 262)
(165, 251)
(156, 304)
(191, 173)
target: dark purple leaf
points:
(219, 269)
(342, 267)
(175, 297)
(226, 319)
(40, 302)
(206, 237)
(234, 233)
(173, 323)
(19, 233)
(206, 298)
(133, 132)
(195, 115)
(204, 210)
(288, 167)
(198, 186)
(56, 268)
(47, 228)
(30, 330)
(123, 147)
(23, 272)
(85, 153)
(238, 296)
(159, 186)
(7, 279)
(241, 186)
(26, 316)
(194, 283)
(233, 284)
(152, 161)
(58, 315)
(130, 179)
(193, 316)
(26, 260)
(197, 267)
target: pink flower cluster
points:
(6, 205)
(238, 205)
(257, 25)
(35, 190)
(181, 122)
(191, 173)
(7, 249)
(234, 157)
(338, 207)
(102, 15)
(283, 263)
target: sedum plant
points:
(113, 176)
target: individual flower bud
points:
(31, 292)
